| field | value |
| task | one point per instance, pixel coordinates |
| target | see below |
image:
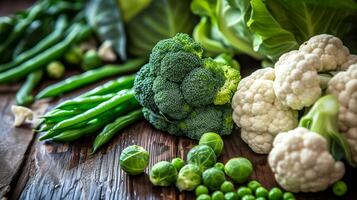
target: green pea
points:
(217, 195)
(242, 191)
(248, 197)
(253, 185)
(231, 196)
(261, 192)
(339, 188)
(288, 196)
(275, 194)
(204, 197)
(201, 189)
(219, 165)
(178, 163)
(260, 198)
(227, 186)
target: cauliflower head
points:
(344, 86)
(301, 162)
(352, 59)
(329, 49)
(184, 94)
(297, 82)
(258, 112)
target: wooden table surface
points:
(30, 169)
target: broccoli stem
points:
(323, 119)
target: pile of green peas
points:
(251, 191)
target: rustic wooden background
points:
(30, 169)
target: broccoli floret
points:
(200, 87)
(184, 94)
(144, 81)
(175, 66)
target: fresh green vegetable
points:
(124, 82)
(248, 197)
(253, 185)
(130, 9)
(24, 96)
(113, 128)
(37, 62)
(339, 188)
(242, 191)
(162, 19)
(275, 194)
(201, 189)
(238, 169)
(288, 196)
(187, 97)
(6, 25)
(217, 195)
(88, 77)
(231, 196)
(212, 140)
(55, 69)
(178, 163)
(91, 60)
(227, 186)
(189, 177)
(106, 19)
(213, 178)
(84, 103)
(73, 56)
(203, 197)
(163, 174)
(263, 198)
(134, 159)
(202, 156)
(219, 166)
(261, 192)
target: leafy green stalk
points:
(323, 119)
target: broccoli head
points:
(185, 94)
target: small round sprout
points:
(204, 197)
(219, 165)
(275, 194)
(189, 177)
(163, 174)
(214, 141)
(242, 191)
(248, 197)
(227, 186)
(134, 159)
(91, 60)
(55, 70)
(201, 189)
(339, 188)
(202, 156)
(261, 192)
(238, 169)
(178, 163)
(231, 196)
(288, 196)
(217, 195)
(213, 178)
(253, 185)
(260, 198)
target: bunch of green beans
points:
(106, 109)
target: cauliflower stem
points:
(323, 119)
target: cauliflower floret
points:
(301, 162)
(344, 86)
(351, 136)
(259, 113)
(352, 59)
(21, 115)
(330, 50)
(297, 82)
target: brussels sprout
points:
(238, 169)
(201, 189)
(248, 197)
(189, 177)
(217, 195)
(204, 197)
(134, 159)
(261, 192)
(253, 185)
(231, 196)
(213, 178)
(202, 155)
(288, 196)
(212, 140)
(74, 56)
(178, 163)
(227, 186)
(219, 165)
(275, 194)
(55, 69)
(91, 60)
(163, 174)
(242, 191)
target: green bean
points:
(84, 103)
(89, 114)
(61, 115)
(24, 96)
(41, 60)
(113, 86)
(111, 129)
(88, 77)
(44, 44)
(96, 124)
